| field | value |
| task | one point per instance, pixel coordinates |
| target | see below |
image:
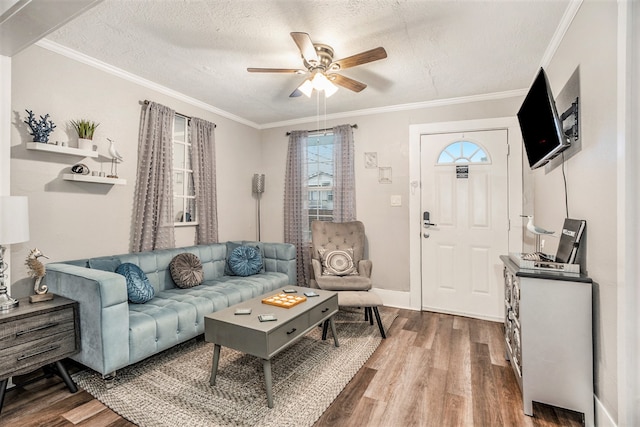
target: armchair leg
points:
(377, 313)
(370, 315)
(325, 327)
(366, 314)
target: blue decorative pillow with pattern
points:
(139, 289)
(245, 261)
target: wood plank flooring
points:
(432, 370)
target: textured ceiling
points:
(436, 49)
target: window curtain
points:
(153, 200)
(344, 192)
(296, 215)
(203, 163)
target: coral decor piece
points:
(40, 129)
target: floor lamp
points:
(258, 189)
(14, 228)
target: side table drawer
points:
(15, 333)
(36, 353)
(323, 310)
(287, 332)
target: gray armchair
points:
(327, 237)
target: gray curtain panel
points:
(344, 191)
(296, 216)
(203, 163)
(153, 200)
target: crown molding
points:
(103, 66)
(402, 107)
(565, 22)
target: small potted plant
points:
(85, 130)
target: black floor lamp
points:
(258, 189)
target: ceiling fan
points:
(318, 61)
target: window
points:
(462, 152)
(184, 199)
(319, 167)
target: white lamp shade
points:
(14, 219)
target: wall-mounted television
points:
(541, 127)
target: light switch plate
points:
(396, 200)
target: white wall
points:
(387, 227)
(590, 44)
(71, 220)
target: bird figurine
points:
(115, 158)
(37, 270)
(536, 231)
(534, 228)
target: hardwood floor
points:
(432, 370)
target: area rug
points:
(172, 388)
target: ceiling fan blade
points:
(276, 70)
(296, 93)
(347, 82)
(360, 58)
(304, 43)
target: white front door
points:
(464, 189)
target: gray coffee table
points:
(247, 334)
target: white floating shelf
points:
(40, 146)
(94, 179)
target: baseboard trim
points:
(397, 299)
(458, 313)
(603, 418)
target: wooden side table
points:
(35, 335)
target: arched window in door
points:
(463, 152)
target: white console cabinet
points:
(548, 336)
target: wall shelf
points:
(94, 179)
(71, 151)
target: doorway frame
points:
(514, 190)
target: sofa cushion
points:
(139, 290)
(104, 263)
(338, 262)
(245, 261)
(186, 270)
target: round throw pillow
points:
(338, 263)
(186, 270)
(245, 261)
(139, 289)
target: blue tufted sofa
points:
(116, 333)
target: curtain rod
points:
(146, 102)
(355, 126)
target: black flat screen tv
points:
(540, 124)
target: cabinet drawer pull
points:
(291, 331)
(325, 310)
(44, 350)
(39, 328)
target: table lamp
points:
(14, 228)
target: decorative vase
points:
(85, 144)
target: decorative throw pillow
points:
(186, 270)
(139, 289)
(245, 261)
(338, 262)
(231, 246)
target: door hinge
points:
(509, 224)
(508, 150)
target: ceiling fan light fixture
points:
(306, 87)
(320, 82)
